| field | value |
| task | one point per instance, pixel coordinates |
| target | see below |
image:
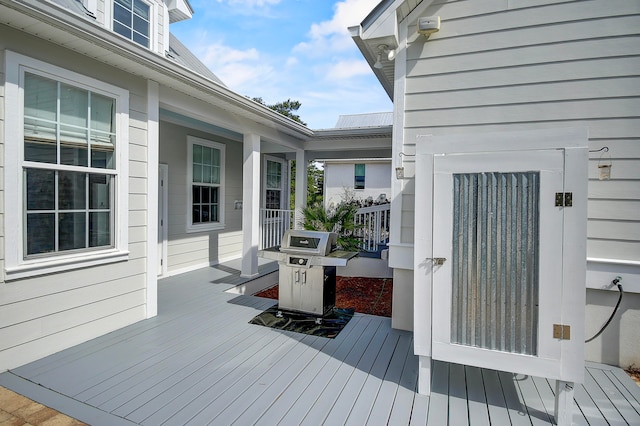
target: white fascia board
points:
(179, 10)
(385, 29)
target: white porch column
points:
(301, 187)
(250, 205)
(153, 152)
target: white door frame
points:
(163, 212)
(574, 143)
(550, 165)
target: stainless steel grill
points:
(307, 273)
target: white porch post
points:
(301, 187)
(250, 205)
(153, 150)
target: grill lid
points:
(309, 242)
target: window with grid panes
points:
(206, 181)
(68, 168)
(131, 19)
(274, 185)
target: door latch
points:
(437, 261)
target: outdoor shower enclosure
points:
(500, 258)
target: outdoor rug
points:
(332, 323)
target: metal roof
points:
(182, 55)
(365, 120)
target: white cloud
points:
(333, 35)
(347, 69)
(292, 61)
(236, 68)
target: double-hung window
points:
(132, 19)
(359, 176)
(274, 184)
(206, 184)
(67, 166)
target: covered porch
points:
(199, 361)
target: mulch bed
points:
(365, 295)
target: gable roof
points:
(179, 53)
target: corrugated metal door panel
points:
(495, 261)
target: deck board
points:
(200, 361)
(477, 399)
(439, 398)
(497, 406)
(371, 386)
(383, 405)
(614, 394)
(458, 412)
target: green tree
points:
(315, 184)
(286, 108)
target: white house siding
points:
(43, 314)
(192, 250)
(501, 65)
(339, 176)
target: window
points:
(206, 182)
(359, 177)
(273, 184)
(70, 208)
(131, 19)
(68, 172)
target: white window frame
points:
(16, 265)
(283, 181)
(209, 226)
(153, 23)
(364, 184)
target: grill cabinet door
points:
(499, 291)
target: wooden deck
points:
(200, 362)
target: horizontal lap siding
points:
(517, 65)
(45, 314)
(192, 250)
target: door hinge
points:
(564, 199)
(561, 331)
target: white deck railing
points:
(273, 225)
(373, 223)
(373, 226)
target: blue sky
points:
(281, 49)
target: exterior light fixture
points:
(378, 64)
(383, 48)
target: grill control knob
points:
(301, 261)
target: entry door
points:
(497, 267)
